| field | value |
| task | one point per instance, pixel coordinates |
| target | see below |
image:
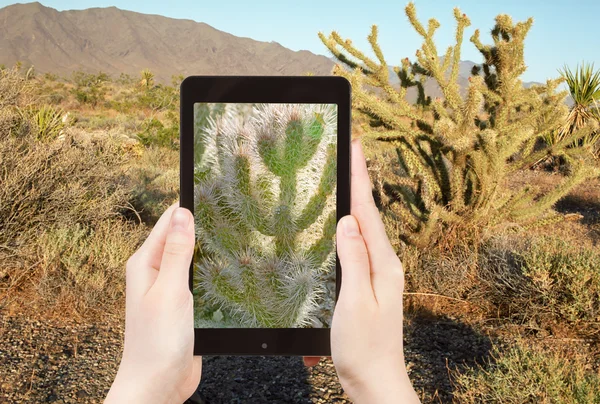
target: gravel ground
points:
(50, 361)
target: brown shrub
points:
(15, 88)
(66, 182)
(61, 220)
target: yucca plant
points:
(265, 213)
(48, 122)
(147, 78)
(454, 153)
(584, 86)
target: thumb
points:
(354, 260)
(178, 250)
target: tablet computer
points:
(265, 170)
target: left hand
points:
(158, 363)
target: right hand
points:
(366, 333)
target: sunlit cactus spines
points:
(265, 214)
(456, 153)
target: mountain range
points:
(116, 41)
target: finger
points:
(364, 210)
(354, 260)
(142, 267)
(310, 361)
(151, 249)
(177, 252)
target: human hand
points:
(366, 332)
(158, 363)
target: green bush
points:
(156, 133)
(90, 88)
(82, 265)
(158, 98)
(543, 278)
(524, 373)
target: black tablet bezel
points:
(265, 89)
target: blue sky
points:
(560, 34)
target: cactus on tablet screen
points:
(265, 214)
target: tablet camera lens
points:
(264, 345)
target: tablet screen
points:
(265, 213)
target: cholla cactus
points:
(265, 214)
(454, 154)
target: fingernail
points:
(180, 219)
(350, 226)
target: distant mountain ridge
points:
(116, 41)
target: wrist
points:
(389, 388)
(129, 387)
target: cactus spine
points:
(265, 214)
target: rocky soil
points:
(50, 361)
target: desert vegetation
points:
(471, 234)
(82, 179)
(490, 195)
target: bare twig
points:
(436, 295)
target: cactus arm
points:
(323, 247)
(316, 204)
(245, 203)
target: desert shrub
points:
(158, 98)
(63, 207)
(542, 279)
(95, 122)
(453, 154)
(56, 98)
(16, 91)
(51, 77)
(15, 88)
(90, 88)
(83, 265)
(154, 181)
(156, 133)
(452, 273)
(74, 181)
(125, 79)
(524, 373)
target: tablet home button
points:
(264, 345)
